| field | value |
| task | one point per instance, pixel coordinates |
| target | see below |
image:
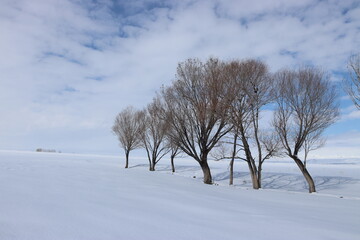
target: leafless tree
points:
(153, 134)
(229, 148)
(352, 83)
(306, 106)
(174, 151)
(253, 90)
(197, 108)
(127, 128)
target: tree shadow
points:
(179, 169)
(139, 165)
(286, 181)
(226, 175)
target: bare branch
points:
(352, 83)
(153, 134)
(127, 127)
(306, 106)
(196, 107)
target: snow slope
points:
(84, 197)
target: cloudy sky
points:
(67, 67)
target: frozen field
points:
(86, 197)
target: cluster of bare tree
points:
(215, 107)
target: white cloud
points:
(72, 65)
(350, 113)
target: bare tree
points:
(352, 83)
(196, 106)
(306, 106)
(154, 131)
(229, 148)
(253, 91)
(127, 127)
(174, 151)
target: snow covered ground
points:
(87, 197)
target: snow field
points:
(67, 196)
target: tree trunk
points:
(152, 164)
(127, 159)
(250, 161)
(231, 177)
(152, 167)
(258, 145)
(259, 174)
(172, 164)
(305, 172)
(253, 175)
(206, 170)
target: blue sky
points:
(67, 67)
